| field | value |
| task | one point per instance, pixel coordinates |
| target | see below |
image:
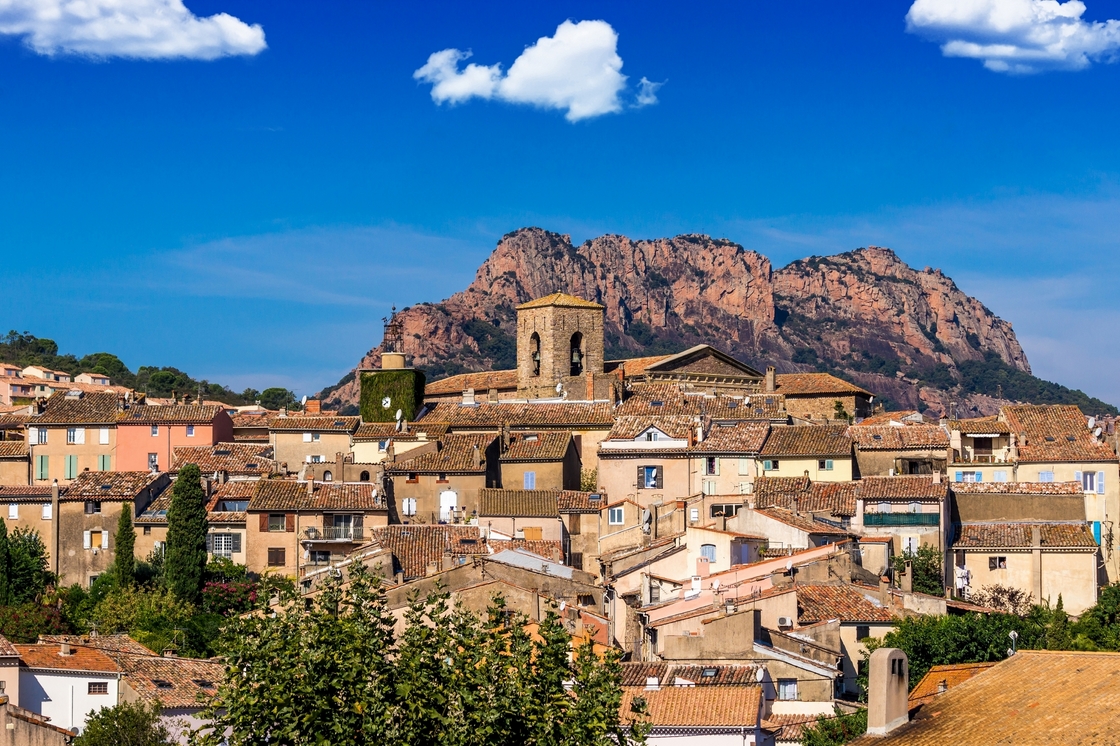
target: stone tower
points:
(560, 342)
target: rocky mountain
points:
(911, 336)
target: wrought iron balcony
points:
(901, 519)
(335, 533)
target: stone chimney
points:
(937, 477)
(476, 456)
(884, 590)
(887, 687)
(703, 567)
(64, 649)
(907, 579)
(771, 379)
(311, 486)
(468, 397)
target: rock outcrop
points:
(865, 314)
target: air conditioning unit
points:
(784, 622)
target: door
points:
(447, 504)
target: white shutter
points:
(103, 436)
(47, 511)
(33, 435)
(744, 466)
(1100, 482)
(307, 437)
(104, 539)
(716, 473)
(79, 436)
(13, 511)
(85, 540)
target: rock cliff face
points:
(864, 314)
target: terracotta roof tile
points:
(903, 486)
(13, 449)
(145, 414)
(779, 491)
(455, 456)
(6, 648)
(753, 407)
(106, 484)
(562, 300)
(952, 675)
(886, 418)
(1010, 703)
(808, 440)
(175, 683)
(371, 431)
(415, 547)
(1018, 488)
(252, 419)
(547, 445)
(226, 493)
(91, 409)
(802, 384)
(571, 501)
(13, 421)
(331, 496)
(111, 645)
(981, 426)
(1020, 535)
(518, 503)
(548, 549)
(26, 493)
(637, 674)
(82, 658)
(789, 727)
(634, 366)
(801, 522)
(279, 494)
(310, 423)
(696, 707)
(895, 438)
(492, 415)
(820, 603)
(502, 380)
(241, 459)
(1054, 432)
(629, 427)
(660, 400)
(837, 498)
(739, 437)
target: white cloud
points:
(1016, 36)
(141, 29)
(577, 70)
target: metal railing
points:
(901, 519)
(341, 533)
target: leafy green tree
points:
(1099, 627)
(126, 724)
(153, 617)
(25, 622)
(926, 566)
(185, 559)
(278, 398)
(29, 566)
(124, 563)
(835, 731)
(5, 566)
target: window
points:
(41, 438)
(97, 539)
(93, 579)
(277, 522)
(884, 507)
(615, 516)
(651, 436)
(824, 464)
(649, 477)
(48, 511)
(999, 476)
(787, 689)
(190, 431)
(863, 631)
(71, 470)
(1091, 481)
(3, 686)
(770, 465)
(155, 430)
(576, 358)
(382, 445)
(529, 480)
(915, 507)
(413, 477)
(711, 466)
(408, 506)
(535, 353)
(726, 510)
(708, 487)
(276, 557)
(997, 563)
(327, 476)
(363, 477)
(708, 552)
(307, 437)
(1046, 476)
(75, 435)
(316, 459)
(93, 507)
(224, 545)
(744, 467)
(153, 462)
(98, 687)
(103, 436)
(745, 488)
(147, 531)
(315, 437)
(655, 594)
(969, 476)
(13, 511)
(694, 515)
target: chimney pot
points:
(64, 649)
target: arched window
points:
(577, 354)
(364, 476)
(708, 552)
(535, 352)
(327, 476)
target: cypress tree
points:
(185, 559)
(5, 566)
(125, 561)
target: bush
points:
(127, 724)
(926, 567)
(234, 597)
(25, 622)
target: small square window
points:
(93, 507)
(770, 465)
(997, 563)
(190, 431)
(787, 689)
(1046, 476)
(155, 430)
(694, 514)
(276, 556)
(277, 522)
(98, 687)
(824, 465)
(615, 517)
(147, 531)
(863, 631)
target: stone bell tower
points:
(560, 342)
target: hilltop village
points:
(717, 523)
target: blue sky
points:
(244, 195)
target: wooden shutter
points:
(87, 540)
(104, 539)
(641, 477)
(236, 542)
(264, 521)
(715, 461)
(659, 478)
(532, 533)
(1079, 478)
(959, 476)
(358, 520)
(290, 522)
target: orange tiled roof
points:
(415, 547)
(492, 415)
(630, 427)
(547, 445)
(636, 674)
(753, 407)
(885, 418)
(108, 644)
(571, 501)
(7, 649)
(252, 419)
(106, 484)
(808, 440)
(174, 683)
(1054, 432)
(549, 549)
(808, 384)
(838, 498)
(242, 459)
(82, 658)
(1018, 488)
(91, 409)
(893, 438)
(502, 380)
(9, 421)
(738, 437)
(562, 300)
(230, 491)
(371, 431)
(981, 426)
(147, 414)
(801, 522)
(634, 366)
(518, 503)
(279, 494)
(1020, 535)
(309, 423)
(331, 496)
(13, 449)
(660, 400)
(819, 603)
(1033, 697)
(911, 486)
(696, 707)
(26, 493)
(952, 675)
(455, 456)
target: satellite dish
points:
(647, 517)
(760, 675)
(715, 585)
(1097, 433)
(789, 565)
(398, 415)
(1092, 422)
(303, 400)
(559, 388)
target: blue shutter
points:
(1097, 532)
(979, 476)
(1080, 479)
(530, 480)
(959, 477)
(1100, 483)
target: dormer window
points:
(651, 435)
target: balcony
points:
(335, 533)
(901, 519)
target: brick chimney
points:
(771, 379)
(703, 567)
(313, 406)
(887, 687)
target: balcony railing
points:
(901, 519)
(335, 533)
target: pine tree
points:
(185, 559)
(5, 566)
(125, 561)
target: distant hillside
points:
(911, 336)
(26, 349)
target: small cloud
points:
(1016, 36)
(139, 29)
(577, 70)
(647, 92)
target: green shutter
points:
(71, 467)
(103, 463)
(42, 467)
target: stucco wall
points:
(1045, 574)
(135, 442)
(797, 467)
(56, 449)
(617, 477)
(15, 471)
(290, 448)
(64, 697)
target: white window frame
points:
(13, 511)
(694, 515)
(1046, 476)
(649, 477)
(616, 516)
(155, 431)
(41, 438)
(787, 690)
(221, 545)
(103, 436)
(529, 480)
(744, 467)
(825, 464)
(708, 487)
(190, 431)
(48, 511)
(708, 552)
(408, 506)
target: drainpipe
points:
(55, 518)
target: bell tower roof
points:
(562, 300)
